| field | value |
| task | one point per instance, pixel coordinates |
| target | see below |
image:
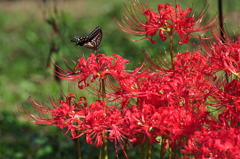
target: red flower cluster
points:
(173, 104)
(167, 21)
(188, 107)
(97, 66)
(79, 117)
(225, 55)
(214, 144)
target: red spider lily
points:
(101, 118)
(230, 105)
(225, 55)
(171, 103)
(95, 67)
(214, 144)
(97, 120)
(64, 114)
(148, 122)
(191, 82)
(167, 21)
(233, 88)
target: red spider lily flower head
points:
(225, 55)
(63, 114)
(194, 62)
(95, 67)
(97, 120)
(192, 81)
(229, 103)
(147, 122)
(214, 144)
(233, 88)
(100, 118)
(167, 20)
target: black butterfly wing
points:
(95, 38)
(80, 40)
(91, 41)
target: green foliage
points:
(20, 140)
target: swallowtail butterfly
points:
(90, 41)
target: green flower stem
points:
(104, 149)
(171, 49)
(79, 148)
(149, 150)
(162, 150)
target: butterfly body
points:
(91, 41)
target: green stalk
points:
(142, 147)
(222, 32)
(103, 90)
(79, 148)
(162, 147)
(104, 149)
(171, 49)
(170, 153)
(149, 152)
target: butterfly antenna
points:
(75, 37)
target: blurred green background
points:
(26, 39)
